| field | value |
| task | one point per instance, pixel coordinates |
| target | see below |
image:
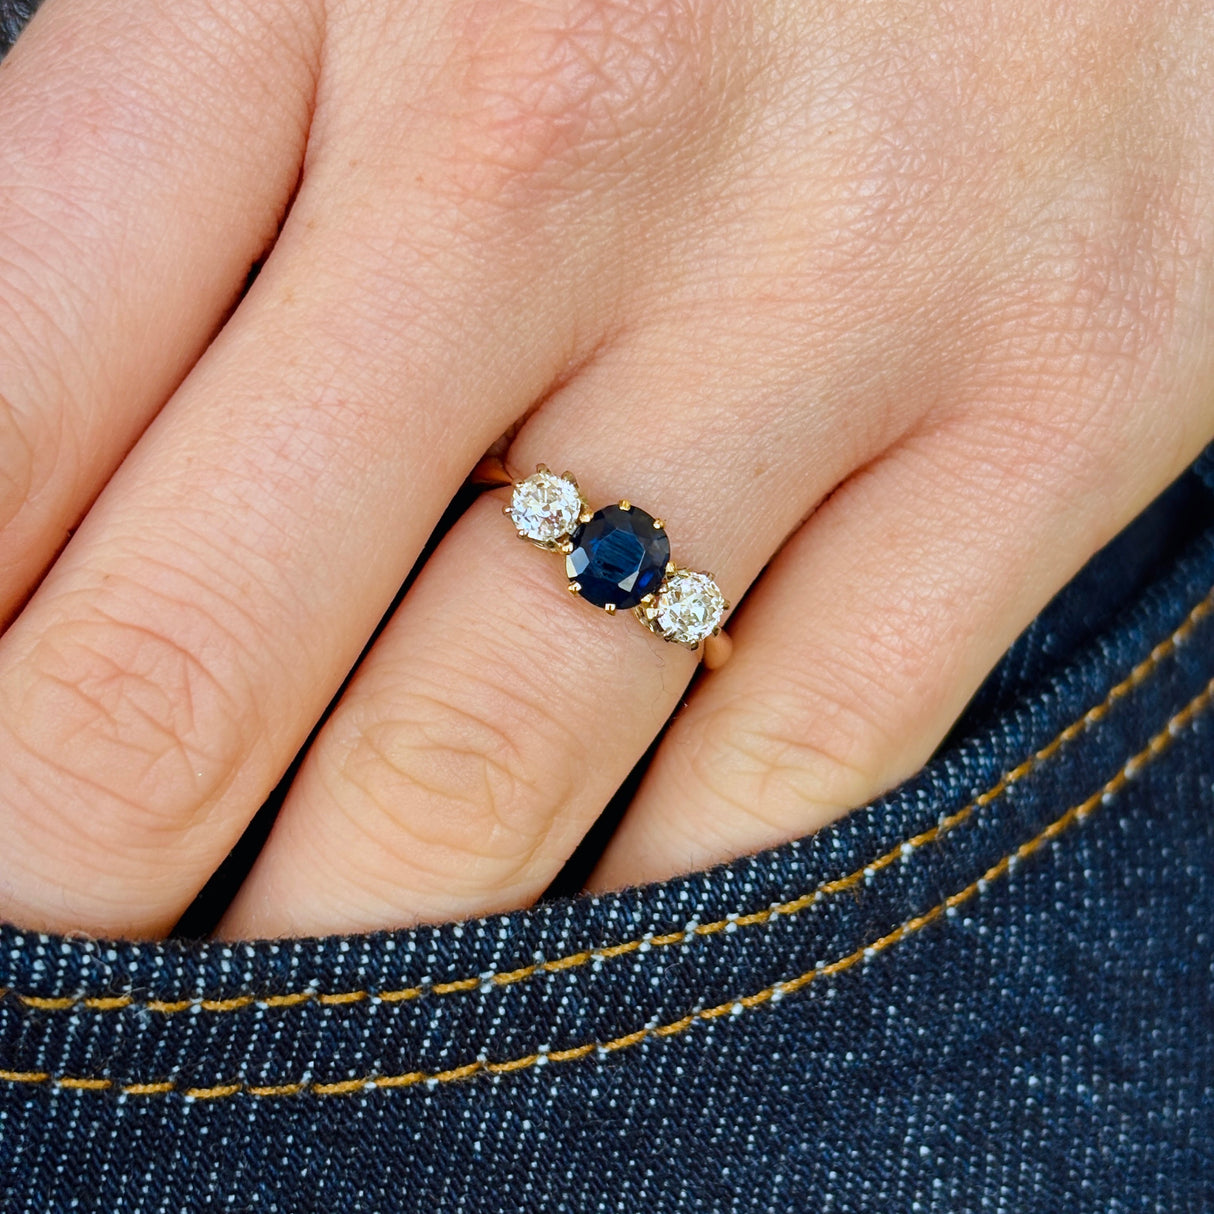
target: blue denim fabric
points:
(991, 990)
(13, 16)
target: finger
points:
(497, 714)
(179, 652)
(427, 289)
(871, 631)
(147, 154)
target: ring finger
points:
(496, 714)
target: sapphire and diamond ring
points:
(617, 558)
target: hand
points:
(893, 311)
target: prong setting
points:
(687, 608)
(546, 508)
(619, 558)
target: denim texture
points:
(993, 989)
(13, 16)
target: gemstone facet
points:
(545, 507)
(618, 557)
(688, 608)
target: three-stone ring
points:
(618, 558)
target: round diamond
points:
(545, 507)
(618, 557)
(688, 608)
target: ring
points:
(618, 558)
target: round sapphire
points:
(618, 557)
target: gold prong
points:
(625, 504)
(542, 468)
(565, 547)
(670, 566)
(648, 598)
(586, 515)
(568, 476)
(574, 587)
(609, 608)
(506, 510)
(659, 524)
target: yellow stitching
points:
(216, 1093)
(449, 988)
(342, 1087)
(1094, 715)
(85, 1085)
(343, 997)
(287, 1000)
(110, 1003)
(399, 1081)
(400, 996)
(346, 1087)
(48, 1005)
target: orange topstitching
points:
(732, 1007)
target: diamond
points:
(618, 557)
(688, 607)
(545, 507)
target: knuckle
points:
(548, 89)
(1102, 299)
(461, 781)
(777, 757)
(141, 708)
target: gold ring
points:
(618, 558)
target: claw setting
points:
(546, 507)
(688, 608)
(617, 557)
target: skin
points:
(895, 312)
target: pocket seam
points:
(1125, 774)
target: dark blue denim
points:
(991, 990)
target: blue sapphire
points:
(618, 557)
